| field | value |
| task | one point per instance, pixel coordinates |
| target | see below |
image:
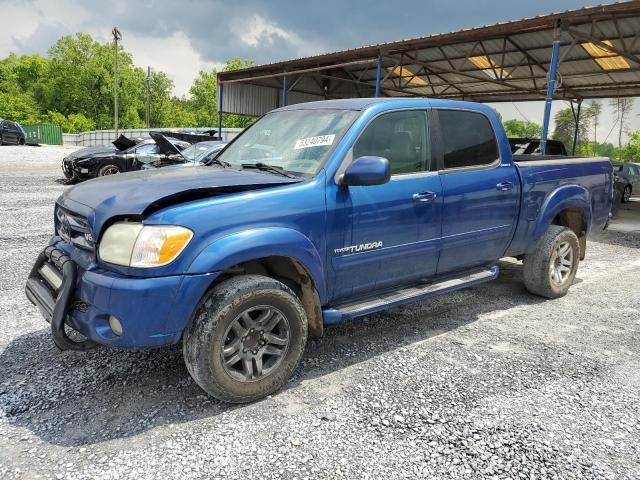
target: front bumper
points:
(72, 170)
(152, 311)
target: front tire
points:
(109, 169)
(550, 269)
(246, 338)
(626, 195)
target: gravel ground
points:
(489, 382)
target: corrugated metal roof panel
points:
(521, 48)
(247, 99)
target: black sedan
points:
(11, 133)
(92, 162)
(194, 155)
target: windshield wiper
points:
(268, 168)
(217, 161)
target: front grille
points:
(73, 228)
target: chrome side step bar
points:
(406, 295)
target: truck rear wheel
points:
(550, 270)
(246, 338)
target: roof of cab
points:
(363, 103)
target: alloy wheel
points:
(561, 263)
(255, 343)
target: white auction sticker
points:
(314, 141)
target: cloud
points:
(184, 37)
(173, 55)
(257, 30)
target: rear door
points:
(481, 191)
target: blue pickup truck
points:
(318, 213)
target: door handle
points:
(504, 186)
(424, 197)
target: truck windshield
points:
(295, 141)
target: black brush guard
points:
(54, 305)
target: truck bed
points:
(582, 179)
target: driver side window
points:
(400, 137)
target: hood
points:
(143, 192)
(92, 152)
(164, 145)
(124, 143)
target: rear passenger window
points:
(468, 139)
(400, 137)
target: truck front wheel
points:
(246, 338)
(550, 269)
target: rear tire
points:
(245, 339)
(550, 269)
(21, 142)
(108, 169)
(626, 195)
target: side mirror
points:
(366, 171)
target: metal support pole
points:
(379, 75)
(148, 103)
(116, 36)
(576, 118)
(551, 86)
(220, 91)
(284, 91)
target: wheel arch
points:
(280, 253)
(570, 207)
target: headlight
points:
(143, 246)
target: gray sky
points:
(181, 38)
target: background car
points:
(528, 146)
(630, 174)
(11, 133)
(196, 154)
(122, 157)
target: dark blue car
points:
(11, 133)
(316, 214)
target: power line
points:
(521, 114)
(614, 126)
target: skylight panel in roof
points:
(406, 74)
(490, 67)
(605, 58)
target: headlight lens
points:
(143, 246)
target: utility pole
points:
(148, 106)
(117, 36)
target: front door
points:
(387, 235)
(481, 193)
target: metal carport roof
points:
(599, 57)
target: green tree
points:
(593, 112)
(565, 129)
(631, 151)
(204, 98)
(622, 110)
(74, 87)
(565, 125)
(522, 129)
(80, 80)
